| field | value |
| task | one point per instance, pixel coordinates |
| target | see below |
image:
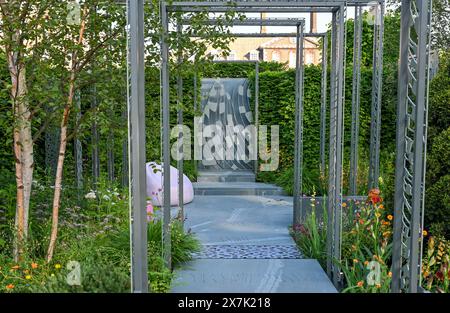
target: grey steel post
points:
(195, 102)
(136, 133)
(95, 140)
(377, 77)
(356, 83)
(256, 114)
(402, 95)
(332, 149)
(339, 151)
(323, 105)
(180, 122)
(419, 91)
(165, 102)
(110, 150)
(297, 214)
(78, 146)
(125, 170)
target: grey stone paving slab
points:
(254, 276)
(233, 220)
(236, 189)
(246, 248)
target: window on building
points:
(276, 56)
(292, 62)
(232, 56)
(309, 57)
(254, 55)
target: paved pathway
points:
(246, 248)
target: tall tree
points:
(21, 24)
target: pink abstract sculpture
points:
(155, 181)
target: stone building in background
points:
(276, 49)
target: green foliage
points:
(311, 236)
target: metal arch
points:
(323, 105)
(251, 22)
(377, 77)
(136, 148)
(270, 35)
(298, 144)
(354, 137)
(411, 144)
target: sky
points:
(323, 19)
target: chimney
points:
(313, 22)
(262, 29)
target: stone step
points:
(226, 176)
(237, 189)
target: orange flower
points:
(10, 286)
(390, 217)
(366, 262)
(374, 196)
(34, 265)
(378, 286)
(381, 206)
(390, 274)
(15, 267)
(360, 283)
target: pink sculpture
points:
(155, 181)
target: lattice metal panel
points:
(411, 144)
(354, 137)
(323, 105)
(377, 75)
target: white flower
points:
(106, 197)
(90, 195)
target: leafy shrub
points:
(436, 265)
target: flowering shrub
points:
(436, 265)
(366, 247)
(311, 236)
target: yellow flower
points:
(390, 217)
(28, 277)
(344, 204)
(355, 261)
(378, 215)
(390, 274)
(424, 233)
(58, 266)
(378, 286)
(360, 283)
(52, 275)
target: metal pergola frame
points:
(411, 126)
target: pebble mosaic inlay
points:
(248, 252)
